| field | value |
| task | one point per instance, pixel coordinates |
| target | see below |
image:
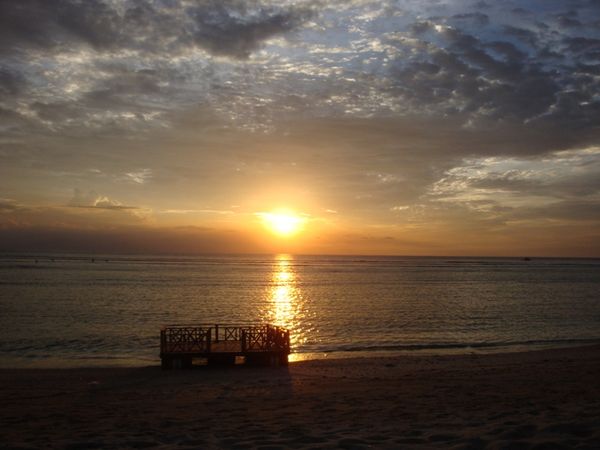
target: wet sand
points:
(536, 400)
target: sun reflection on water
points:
(286, 305)
(283, 292)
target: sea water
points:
(81, 310)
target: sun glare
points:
(282, 223)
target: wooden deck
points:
(183, 346)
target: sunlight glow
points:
(282, 223)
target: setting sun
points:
(282, 223)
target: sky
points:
(442, 127)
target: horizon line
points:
(234, 254)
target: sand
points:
(535, 400)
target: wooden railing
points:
(185, 339)
(205, 339)
(266, 339)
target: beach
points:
(548, 399)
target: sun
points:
(282, 223)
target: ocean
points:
(104, 310)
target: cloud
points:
(237, 28)
(8, 205)
(141, 176)
(122, 239)
(569, 19)
(476, 17)
(466, 77)
(397, 114)
(12, 83)
(564, 185)
(522, 34)
(197, 211)
(125, 67)
(94, 201)
(226, 27)
(135, 68)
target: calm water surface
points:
(63, 310)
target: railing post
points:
(216, 333)
(208, 339)
(243, 340)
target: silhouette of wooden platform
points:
(183, 346)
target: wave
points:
(454, 345)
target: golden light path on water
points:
(286, 305)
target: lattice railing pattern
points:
(198, 339)
(185, 340)
(232, 333)
(267, 338)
